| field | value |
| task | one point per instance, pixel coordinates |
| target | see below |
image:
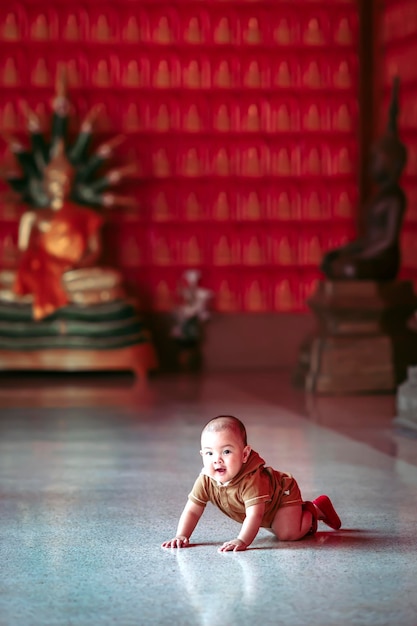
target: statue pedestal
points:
(139, 359)
(362, 343)
(103, 337)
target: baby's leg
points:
(292, 523)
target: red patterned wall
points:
(242, 116)
(398, 46)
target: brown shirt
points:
(254, 483)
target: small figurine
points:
(190, 315)
(376, 255)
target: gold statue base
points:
(139, 359)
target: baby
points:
(235, 479)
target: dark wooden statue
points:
(376, 255)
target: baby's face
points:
(223, 454)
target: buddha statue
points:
(59, 238)
(376, 255)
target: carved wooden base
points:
(139, 358)
(362, 343)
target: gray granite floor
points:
(93, 477)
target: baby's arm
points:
(187, 522)
(249, 530)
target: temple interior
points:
(206, 208)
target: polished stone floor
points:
(94, 472)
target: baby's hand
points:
(235, 545)
(177, 542)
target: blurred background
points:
(250, 124)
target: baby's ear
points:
(246, 453)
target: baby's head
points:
(224, 447)
(227, 422)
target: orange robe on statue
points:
(51, 253)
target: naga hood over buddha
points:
(376, 255)
(59, 237)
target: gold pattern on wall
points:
(237, 117)
(314, 162)
(192, 121)
(222, 253)
(342, 77)
(192, 254)
(161, 252)
(251, 163)
(193, 31)
(283, 76)
(313, 35)
(221, 208)
(313, 206)
(9, 118)
(163, 299)
(193, 209)
(255, 298)
(131, 31)
(10, 76)
(162, 76)
(252, 121)
(222, 32)
(102, 29)
(71, 30)
(73, 75)
(222, 75)
(163, 121)
(281, 119)
(132, 120)
(252, 252)
(192, 75)
(163, 33)
(131, 74)
(281, 163)
(283, 206)
(41, 76)
(101, 75)
(40, 28)
(252, 77)
(222, 119)
(312, 76)
(343, 163)
(283, 298)
(282, 252)
(226, 300)
(343, 34)
(191, 165)
(252, 33)
(10, 28)
(312, 118)
(161, 165)
(221, 163)
(344, 207)
(251, 207)
(282, 33)
(313, 250)
(160, 209)
(342, 119)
